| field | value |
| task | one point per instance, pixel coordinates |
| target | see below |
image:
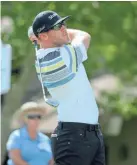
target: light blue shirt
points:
(34, 152)
(76, 98)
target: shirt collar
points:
(24, 133)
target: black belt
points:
(72, 125)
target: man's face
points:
(58, 36)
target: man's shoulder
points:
(49, 53)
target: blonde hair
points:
(18, 117)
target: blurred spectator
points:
(26, 145)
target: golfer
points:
(77, 140)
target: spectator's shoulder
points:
(43, 136)
(15, 133)
(14, 140)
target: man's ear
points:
(43, 36)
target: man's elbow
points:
(87, 40)
(88, 37)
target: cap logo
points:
(41, 28)
(52, 16)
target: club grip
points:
(35, 43)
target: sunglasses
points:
(58, 26)
(34, 116)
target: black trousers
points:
(78, 144)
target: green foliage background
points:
(112, 25)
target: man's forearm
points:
(79, 35)
(73, 33)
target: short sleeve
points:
(45, 144)
(45, 138)
(14, 141)
(49, 141)
(80, 49)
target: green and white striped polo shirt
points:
(55, 72)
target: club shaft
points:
(36, 49)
